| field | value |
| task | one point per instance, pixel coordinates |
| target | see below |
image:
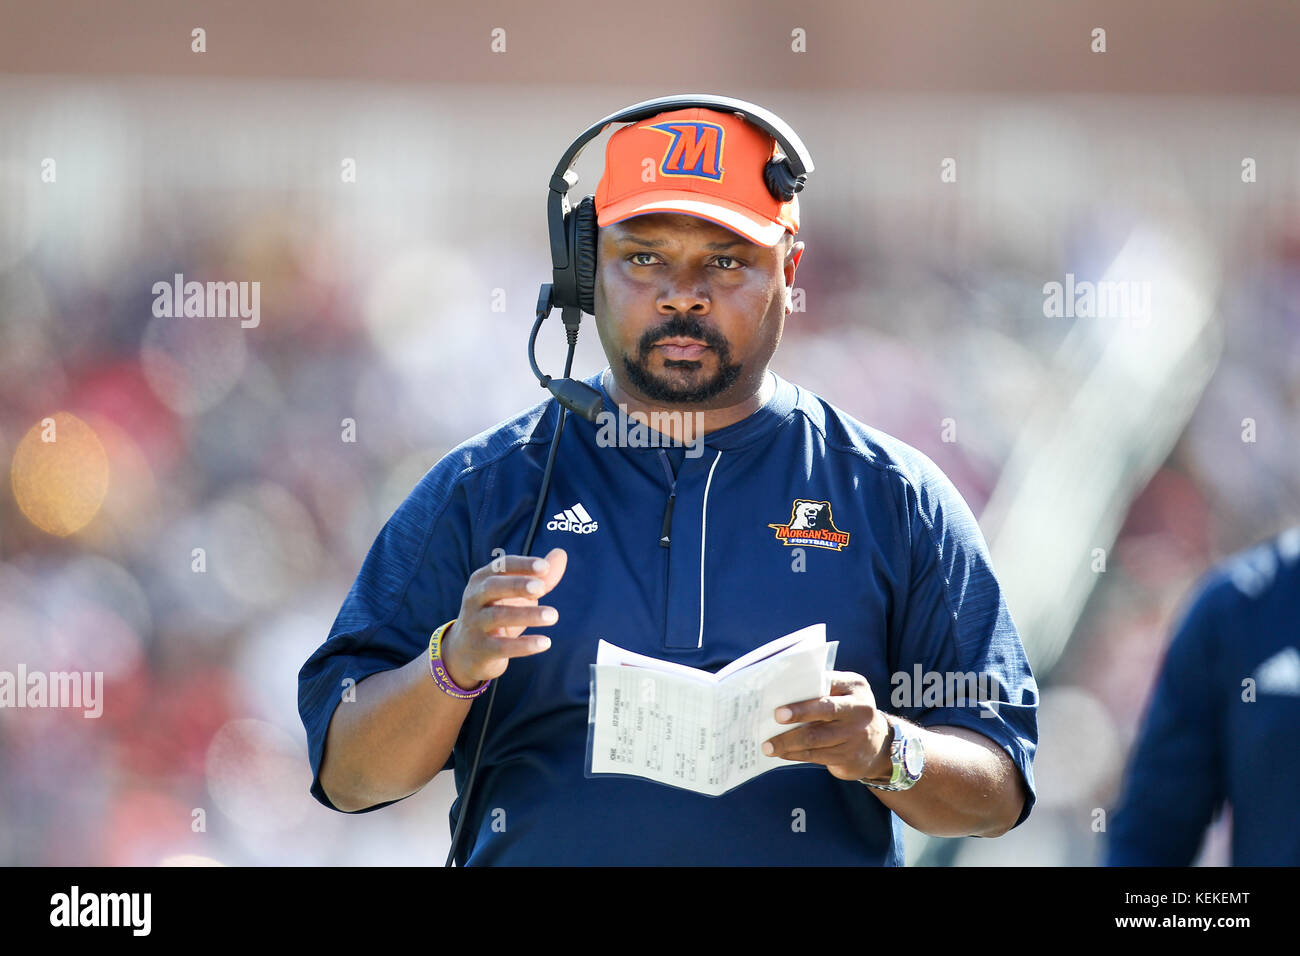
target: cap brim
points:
(755, 228)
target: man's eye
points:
(728, 264)
(635, 255)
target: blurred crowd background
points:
(402, 302)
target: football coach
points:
(763, 509)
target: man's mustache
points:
(680, 326)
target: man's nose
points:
(686, 293)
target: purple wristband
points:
(438, 668)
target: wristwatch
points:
(908, 756)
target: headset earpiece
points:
(780, 179)
(584, 235)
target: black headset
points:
(572, 289)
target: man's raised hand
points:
(499, 604)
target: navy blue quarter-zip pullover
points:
(797, 514)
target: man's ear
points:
(792, 260)
(791, 264)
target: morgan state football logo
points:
(811, 524)
(695, 150)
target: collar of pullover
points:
(759, 424)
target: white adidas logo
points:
(573, 519)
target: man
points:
(683, 558)
(1222, 723)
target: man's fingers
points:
(827, 756)
(521, 646)
(844, 684)
(808, 756)
(508, 615)
(823, 708)
(500, 602)
(512, 564)
(518, 576)
(526, 588)
(812, 737)
(557, 559)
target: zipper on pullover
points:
(666, 527)
(684, 552)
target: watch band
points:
(899, 745)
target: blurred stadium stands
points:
(924, 302)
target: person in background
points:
(1222, 724)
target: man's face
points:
(688, 311)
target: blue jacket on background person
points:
(1223, 724)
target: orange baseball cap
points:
(702, 163)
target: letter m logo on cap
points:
(695, 150)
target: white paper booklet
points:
(689, 728)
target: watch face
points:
(913, 758)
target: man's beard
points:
(660, 390)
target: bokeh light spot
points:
(59, 484)
(258, 776)
(192, 363)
